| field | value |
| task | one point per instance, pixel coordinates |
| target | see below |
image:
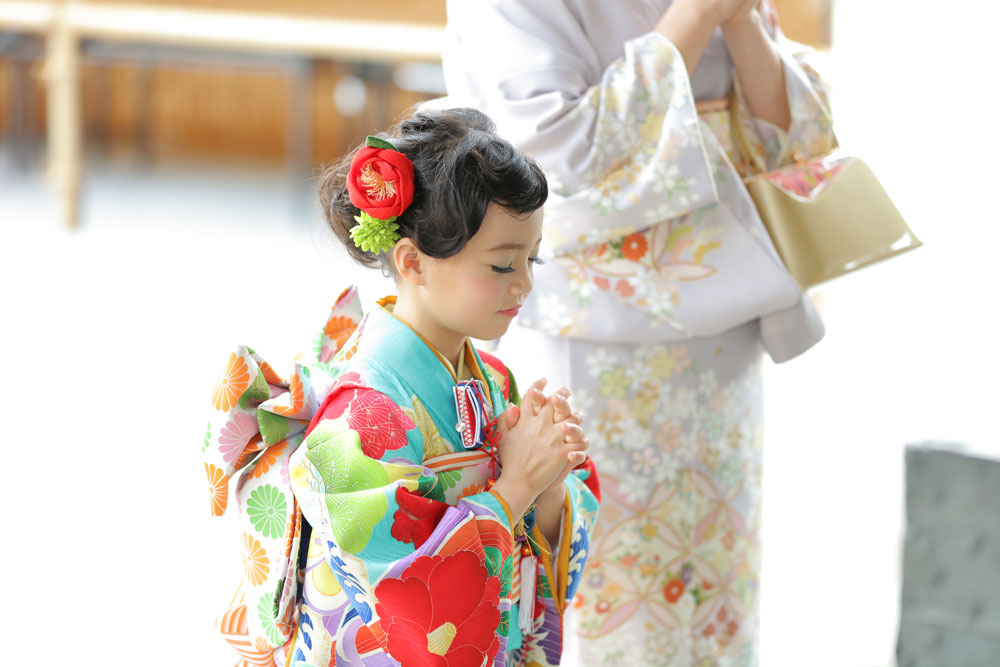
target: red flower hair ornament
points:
(380, 183)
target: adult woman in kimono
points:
(664, 290)
(398, 508)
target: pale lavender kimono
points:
(660, 291)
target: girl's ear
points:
(407, 259)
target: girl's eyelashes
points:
(511, 269)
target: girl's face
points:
(478, 292)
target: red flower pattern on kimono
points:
(380, 423)
(337, 400)
(429, 625)
(416, 517)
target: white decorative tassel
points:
(526, 614)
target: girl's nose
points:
(522, 286)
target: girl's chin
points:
(492, 333)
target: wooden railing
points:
(387, 32)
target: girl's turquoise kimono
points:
(404, 555)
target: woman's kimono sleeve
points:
(623, 148)
(652, 234)
(810, 133)
(423, 576)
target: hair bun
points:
(460, 166)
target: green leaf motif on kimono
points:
(543, 587)
(507, 576)
(267, 609)
(494, 560)
(257, 392)
(504, 628)
(449, 478)
(353, 517)
(266, 511)
(273, 428)
(208, 438)
(429, 488)
(354, 497)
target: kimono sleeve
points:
(810, 133)
(396, 548)
(622, 148)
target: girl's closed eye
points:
(511, 269)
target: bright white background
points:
(112, 337)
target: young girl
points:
(442, 524)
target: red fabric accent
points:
(592, 482)
(416, 517)
(423, 599)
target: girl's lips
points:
(510, 312)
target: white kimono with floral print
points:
(607, 108)
(660, 291)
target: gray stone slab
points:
(950, 614)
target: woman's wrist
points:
(689, 25)
(749, 25)
(685, 14)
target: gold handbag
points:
(826, 216)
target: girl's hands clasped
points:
(540, 444)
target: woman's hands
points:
(689, 24)
(731, 12)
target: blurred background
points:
(158, 206)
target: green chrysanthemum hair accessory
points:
(374, 235)
(380, 183)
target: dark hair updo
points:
(461, 165)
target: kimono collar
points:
(468, 359)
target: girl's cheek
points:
(489, 287)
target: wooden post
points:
(62, 74)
